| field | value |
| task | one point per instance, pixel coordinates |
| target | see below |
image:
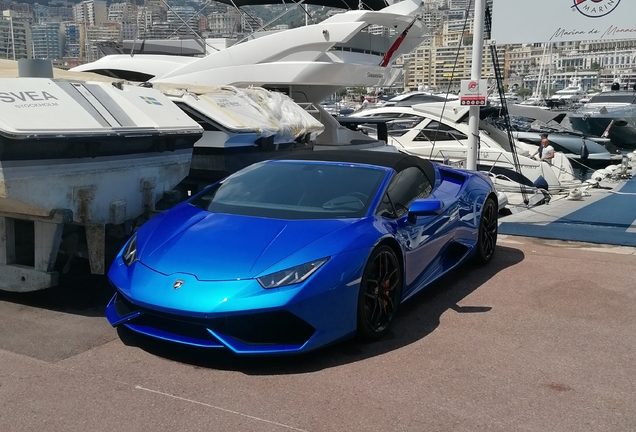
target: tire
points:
(487, 236)
(380, 293)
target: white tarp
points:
(518, 21)
(248, 110)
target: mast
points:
(12, 36)
(537, 89)
(475, 75)
(549, 79)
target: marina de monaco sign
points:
(518, 21)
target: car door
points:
(416, 235)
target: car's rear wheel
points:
(380, 293)
(488, 226)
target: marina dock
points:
(603, 216)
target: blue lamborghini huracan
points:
(286, 256)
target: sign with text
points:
(514, 21)
(473, 92)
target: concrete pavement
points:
(543, 339)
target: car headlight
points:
(130, 251)
(292, 275)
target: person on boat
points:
(545, 150)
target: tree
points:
(524, 92)
(570, 69)
(595, 66)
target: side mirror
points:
(426, 207)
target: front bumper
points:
(238, 315)
(267, 332)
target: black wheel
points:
(380, 293)
(488, 226)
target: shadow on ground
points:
(416, 319)
(79, 293)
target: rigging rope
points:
(504, 104)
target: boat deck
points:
(604, 217)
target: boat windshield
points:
(295, 190)
(628, 98)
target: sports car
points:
(289, 255)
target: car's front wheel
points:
(380, 293)
(488, 227)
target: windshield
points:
(611, 98)
(395, 128)
(295, 190)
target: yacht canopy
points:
(342, 4)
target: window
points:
(294, 190)
(614, 98)
(401, 126)
(435, 131)
(405, 187)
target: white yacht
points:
(80, 160)
(609, 114)
(418, 97)
(535, 101)
(568, 96)
(309, 63)
(240, 127)
(511, 98)
(441, 133)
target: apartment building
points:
(122, 12)
(72, 40)
(90, 12)
(444, 67)
(250, 23)
(48, 41)
(520, 59)
(224, 24)
(106, 32)
(179, 16)
(15, 36)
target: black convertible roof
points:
(396, 161)
(343, 4)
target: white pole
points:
(537, 91)
(475, 75)
(12, 37)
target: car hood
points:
(215, 246)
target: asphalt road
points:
(543, 339)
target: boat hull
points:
(101, 190)
(622, 133)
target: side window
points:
(385, 114)
(435, 131)
(405, 187)
(399, 127)
(386, 207)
